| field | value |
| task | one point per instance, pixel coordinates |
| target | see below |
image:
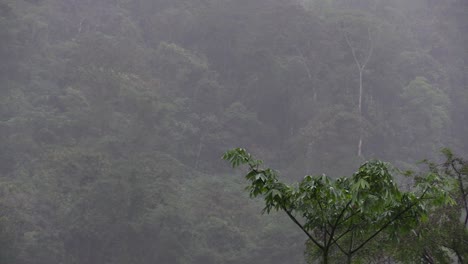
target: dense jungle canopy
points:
(114, 115)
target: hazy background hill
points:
(114, 116)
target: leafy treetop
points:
(346, 213)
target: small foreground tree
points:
(346, 213)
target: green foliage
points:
(347, 212)
(113, 115)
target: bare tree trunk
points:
(80, 27)
(361, 65)
(360, 90)
(349, 256)
(309, 73)
(360, 113)
(325, 257)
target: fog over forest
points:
(115, 115)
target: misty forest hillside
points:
(114, 116)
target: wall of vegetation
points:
(114, 116)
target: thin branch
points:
(345, 232)
(348, 217)
(302, 228)
(336, 222)
(328, 222)
(335, 242)
(80, 26)
(306, 66)
(371, 49)
(360, 65)
(462, 189)
(387, 224)
(352, 50)
(427, 256)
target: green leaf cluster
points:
(345, 213)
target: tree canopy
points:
(346, 213)
(113, 115)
